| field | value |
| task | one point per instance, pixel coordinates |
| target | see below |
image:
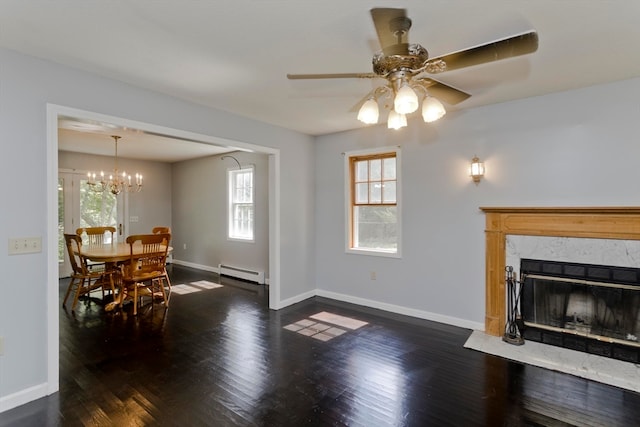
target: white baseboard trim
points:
(296, 299)
(198, 266)
(420, 314)
(23, 396)
(204, 267)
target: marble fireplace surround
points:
(586, 222)
(612, 223)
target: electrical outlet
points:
(184, 246)
(1, 346)
(373, 275)
(25, 245)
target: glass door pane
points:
(63, 261)
(79, 206)
(97, 209)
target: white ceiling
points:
(83, 136)
(234, 55)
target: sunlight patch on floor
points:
(321, 330)
(192, 287)
(335, 319)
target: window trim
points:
(349, 198)
(230, 173)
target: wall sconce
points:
(476, 171)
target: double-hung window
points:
(373, 215)
(241, 203)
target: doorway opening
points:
(54, 113)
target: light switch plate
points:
(25, 245)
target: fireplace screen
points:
(562, 303)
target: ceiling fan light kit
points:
(406, 67)
(406, 100)
(369, 112)
(432, 109)
(396, 120)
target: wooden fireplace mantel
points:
(586, 222)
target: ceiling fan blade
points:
(501, 49)
(332, 76)
(444, 92)
(392, 27)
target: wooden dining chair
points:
(148, 255)
(83, 279)
(165, 276)
(96, 236)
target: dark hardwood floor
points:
(220, 357)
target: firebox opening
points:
(584, 307)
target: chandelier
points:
(403, 91)
(117, 182)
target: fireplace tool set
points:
(515, 325)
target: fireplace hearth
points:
(584, 307)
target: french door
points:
(80, 206)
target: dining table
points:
(113, 255)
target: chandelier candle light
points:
(118, 182)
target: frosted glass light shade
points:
(406, 100)
(432, 109)
(369, 112)
(476, 170)
(396, 121)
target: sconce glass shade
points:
(476, 170)
(406, 100)
(432, 109)
(396, 121)
(369, 112)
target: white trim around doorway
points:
(53, 113)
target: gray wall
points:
(200, 214)
(568, 149)
(577, 148)
(191, 197)
(152, 205)
(28, 85)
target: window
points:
(241, 221)
(373, 210)
(97, 208)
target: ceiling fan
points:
(407, 69)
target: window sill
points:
(373, 252)
(238, 239)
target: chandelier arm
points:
(382, 92)
(416, 84)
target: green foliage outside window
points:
(96, 209)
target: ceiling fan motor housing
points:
(412, 60)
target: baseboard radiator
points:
(241, 273)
